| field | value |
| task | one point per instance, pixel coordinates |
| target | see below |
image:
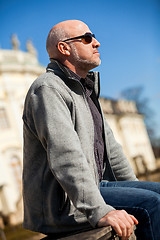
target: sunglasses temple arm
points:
(73, 38)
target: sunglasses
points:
(86, 38)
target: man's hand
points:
(121, 221)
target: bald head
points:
(77, 55)
(60, 32)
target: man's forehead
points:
(78, 29)
(73, 27)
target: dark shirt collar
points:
(86, 82)
(89, 82)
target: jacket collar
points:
(93, 75)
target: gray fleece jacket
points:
(60, 179)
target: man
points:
(75, 174)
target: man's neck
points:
(82, 73)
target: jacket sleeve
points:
(119, 163)
(54, 128)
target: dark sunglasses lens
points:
(88, 38)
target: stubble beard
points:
(84, 64)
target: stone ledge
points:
(105, 233)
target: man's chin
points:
(89, 65)
(96, 63)
(99, 63)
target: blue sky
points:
(128, 30)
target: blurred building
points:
(18, 70)
(130, 131)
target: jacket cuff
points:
(99, 213)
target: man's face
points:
(85, 56)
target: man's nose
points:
(96, 43)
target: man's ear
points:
(64, 48)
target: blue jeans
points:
(141, 199)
